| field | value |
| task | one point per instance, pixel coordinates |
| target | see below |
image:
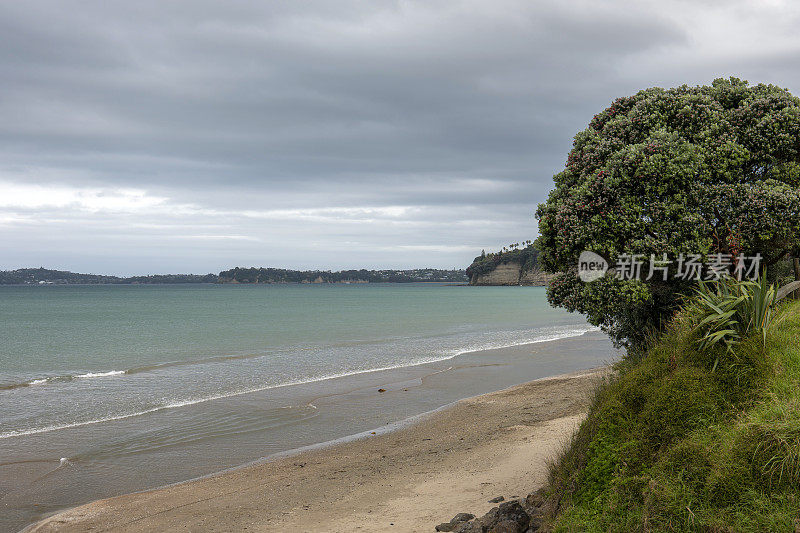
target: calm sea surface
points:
(108, 389)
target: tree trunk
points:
(796, 262)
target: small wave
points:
(31, 383)
(551, 334)
(60, 379)
(101, 374)
(129, 371)
(201, 361)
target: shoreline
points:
(571, 334)
(36, 484)
(394, 470)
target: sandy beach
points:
(451, 461)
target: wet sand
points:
(450, 461)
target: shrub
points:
(692, 170)
(728, 310)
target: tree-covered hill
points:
(280, 275)
(30, 276)
(485, 263)
(512, 265)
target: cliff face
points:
(535, 277)
(511, 273)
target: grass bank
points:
(674, 442)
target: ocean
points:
(109, 389)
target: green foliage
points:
(693, 170)
(783, 272)
(728, 310)
(670, 445)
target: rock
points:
(457, 521)
(511, 273)
(509, 517)
(497, 500)
(469, 527)
(489, 518)
(506, 526)
(535, 505)
(534, 525)
(512, 507)
(535, 499)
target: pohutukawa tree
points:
(692, 170)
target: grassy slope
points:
(671, 446)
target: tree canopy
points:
(690, 170)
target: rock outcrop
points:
(511, 273)
(508, 267)
(515, 516)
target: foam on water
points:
(100, 374)
(60, 379)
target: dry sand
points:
(408, 480)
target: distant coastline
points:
(45, 276)
(506, 267)
(238, 275)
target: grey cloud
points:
(463, 107)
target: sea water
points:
(108, 389)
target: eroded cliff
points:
(514, 267)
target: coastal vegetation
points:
(697, 428)
(692, 170)
(694, 435)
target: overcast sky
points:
(151, 136)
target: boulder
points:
(516, 516)
(456, 522)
